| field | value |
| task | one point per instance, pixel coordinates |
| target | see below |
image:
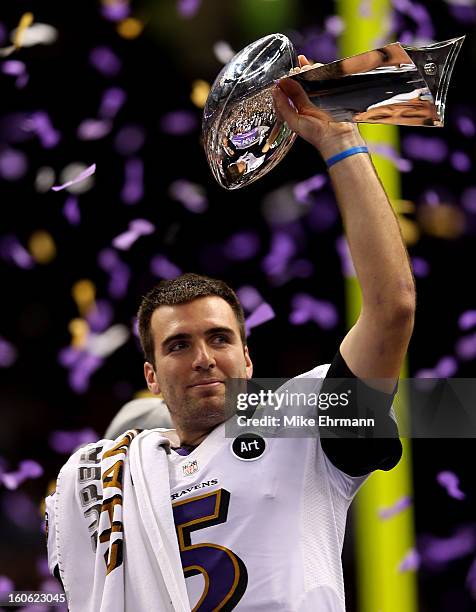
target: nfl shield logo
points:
(190, 468)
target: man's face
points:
(408, 113)
(197, 347)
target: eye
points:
(220, 339)
(177, 346)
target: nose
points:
(203, 358)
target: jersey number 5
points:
(224, 572)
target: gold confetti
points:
(200, 91)
(84, 294)
(51, 488)
(441, 221)
(130, 28)
(42, 247)
(410, 231)
(79, 330)
(146, 393)
(25, 22)
(403, 206)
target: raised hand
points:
(294, 107)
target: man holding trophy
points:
(186, 518)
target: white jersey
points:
(259, 535)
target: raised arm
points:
(375, 347)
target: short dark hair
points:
(233, 172)
(182, 290)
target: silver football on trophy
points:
(395, 84)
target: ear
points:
(151, 378)
(249, 364)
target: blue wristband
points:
(343, 154)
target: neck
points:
(191, 438)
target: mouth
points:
(207, 384)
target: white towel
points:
(115, 536)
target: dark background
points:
(158, 68)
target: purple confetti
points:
(191, 195)
(431, 197)
(263, 313)
(133, 189)
(365, 8)
(450, 482)
(112, 101)
(135, 327)
(466, 347)
(8, 353)
(439, 551)
(303, 189)
(6, 584)
(81, 176)
(421, 267)
(66, 442)
(178, 123)
(43, 128)
(116, 10)
(12, 250)
(42, 567)
(282, 249)
(318, 43)
(164, 268)
(105, 61)
(422, 18)
(16, 127)
(468, 199)
(403, 503)
(388, 152)
(80, 374)
(69, 356)
(467, 319)
(464, 13)
(188, 8)
(346, 262)
(306, 308)
(3, 34)
(446, 367)
(108, 260)
(13, 164)
(71, 210)
(119, 273)
(100, 317)
(471, 579)
(27, 469)
(242, 246)
(13, 67)
(460, 161)
(423, 148)
(93, 129)
(334, 25)
(466, 126)
(21, 510)
(250, 298)
(129, 139)
(17, 69)
(324, 213)
(411, 561)
(419, 14)
(137, 228)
